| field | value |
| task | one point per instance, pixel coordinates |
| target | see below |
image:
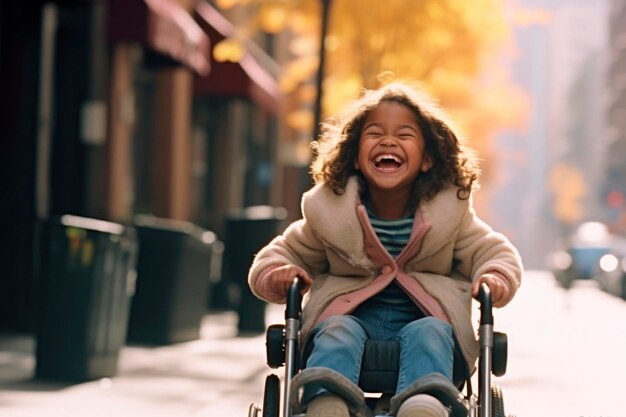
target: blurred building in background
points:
(615, 186)
(116, 108)
(555, 169)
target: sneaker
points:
(422, 405)
(327, 405)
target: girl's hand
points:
(282, 278)
(497, 286)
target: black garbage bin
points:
(88, 274)
(173, 279)
(247, 231)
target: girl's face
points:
(391, 149)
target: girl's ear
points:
(356, 164)
(427, 163)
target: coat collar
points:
(335, 220)
(445, 212)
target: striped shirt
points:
(393, 234)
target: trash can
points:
(247, 231)
(88, 275)
(174, 269)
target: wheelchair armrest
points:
(294, 300)
(500, 340)
(275, 335)
(486, 304)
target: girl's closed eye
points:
(407, 135)
(373, 133)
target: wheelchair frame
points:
(282, 349)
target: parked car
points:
(577, 256)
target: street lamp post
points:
(320, 69)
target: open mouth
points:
(388, 162)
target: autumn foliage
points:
(449, 46)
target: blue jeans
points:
(426, 343)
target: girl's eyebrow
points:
(372, 124)
(380, 125)
(409, 127)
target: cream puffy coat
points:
(334, 241)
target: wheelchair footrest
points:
(333, 382)
(439, 387)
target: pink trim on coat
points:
(390, 269)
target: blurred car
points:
(578, 256)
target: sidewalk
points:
(217, 375)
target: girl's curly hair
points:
(338, 145)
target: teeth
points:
(387, 156)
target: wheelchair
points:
(379, 371)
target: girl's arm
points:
(297, 252)
(489, 257)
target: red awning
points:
(245, 79)
(164, 26)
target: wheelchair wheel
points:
(271, 396)
(497, 402)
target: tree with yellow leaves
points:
(444, 44)
(568, 187)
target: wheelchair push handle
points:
(294, 299)
(486, 304)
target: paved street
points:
(567, 351)
(566, 359)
